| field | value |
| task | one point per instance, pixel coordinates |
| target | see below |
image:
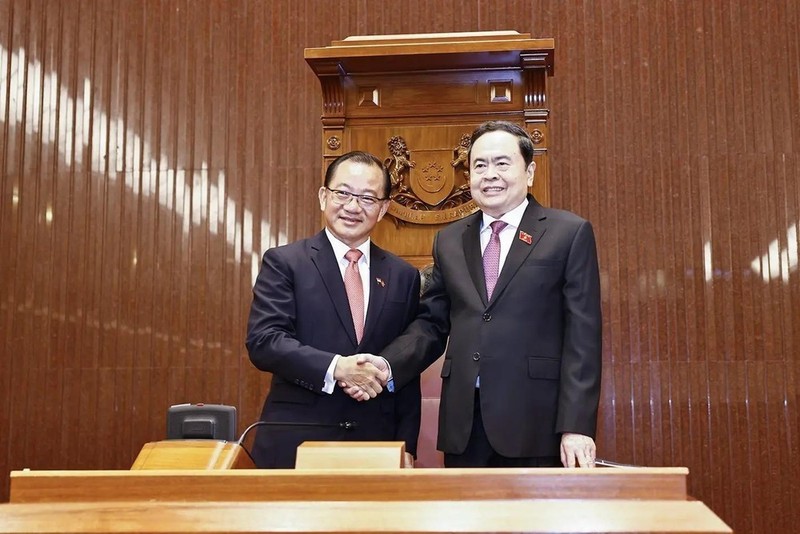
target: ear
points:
(384, 209)
(530, 171)
(322, 198)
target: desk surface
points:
(534, 516)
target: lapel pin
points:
(380, 282)
(524, 236)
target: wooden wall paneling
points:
(67, 428)
(639, 428)
(50, 380)
(776, 374)
(8, 188)
(148, 414)
(195, 260)
(756, 426)
(122, 403)
(221, 100)
(103, 420)
(5, 411)
(88, 427)
(219, 353)
(660, 401)
(11, 211)
(737, 488)
(673, 125)
(125, 200)
(718, 462)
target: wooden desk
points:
(355, 500)
(360, 485)
(534, 516)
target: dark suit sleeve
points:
(424, 340)
(271, 336)
(581, 361)
(408, 401)
(408, 413)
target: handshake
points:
(362, 376)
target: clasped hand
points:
(362, 376)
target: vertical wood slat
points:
(187, 140)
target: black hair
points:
(358, 156)
(523, 139)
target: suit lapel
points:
(328, 267)
(379, 277)
(472, 253)
(534, 224)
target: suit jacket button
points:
(487, 317)
(476, 356)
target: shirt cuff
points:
(330, 383)
(390, 381)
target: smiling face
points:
(499, 178)
(350, 222)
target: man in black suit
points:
(521, 375)
(312, 307)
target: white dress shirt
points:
(339, 250)
(512, 220)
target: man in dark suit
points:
(316, 301)
(521, 375)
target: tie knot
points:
(353, 255)
(497, 226)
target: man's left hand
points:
(577, 450)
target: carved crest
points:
(462, 155)
(432, 188)
(399, 163)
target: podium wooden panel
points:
(344, 500)
(192, 454)
(539, 516)
(349, 455)
(362, 485)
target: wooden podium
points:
(193, 454)
(353, 455)
(220, 455)
(412, 99)
(345, 500)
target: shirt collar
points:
(512, 218)
(340, 249)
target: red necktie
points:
(355, 291)
(491, 257)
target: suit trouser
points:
(480, 453)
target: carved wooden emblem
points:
(334, 143)
(429, 181)
(431, 188)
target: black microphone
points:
(347, 425)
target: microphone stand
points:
(347, 425)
